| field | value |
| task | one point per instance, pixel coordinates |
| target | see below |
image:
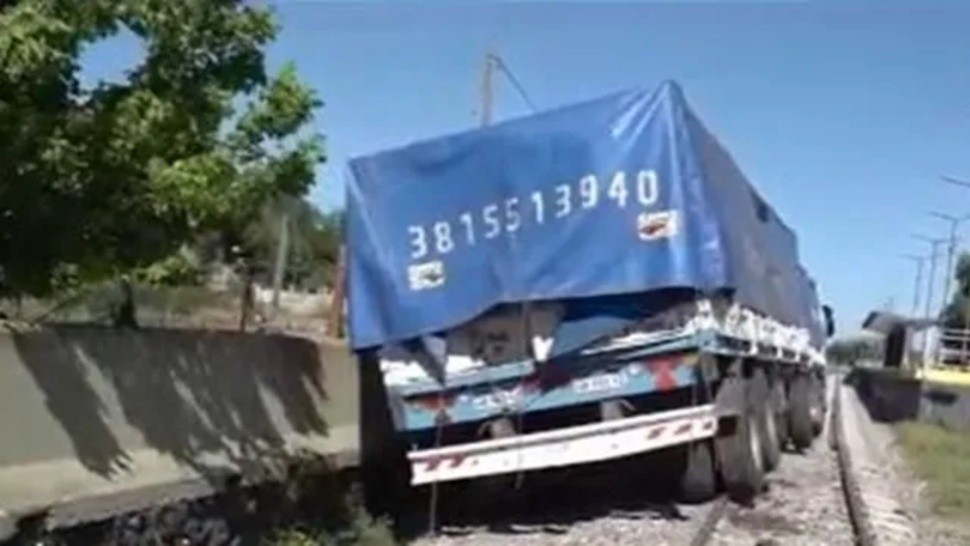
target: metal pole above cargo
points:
(485, 112)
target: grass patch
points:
(941, 457)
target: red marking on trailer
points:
(457, 460)
(683, 428)
(655, 433)
(708, 425)
(662, 370)
(432, 464)
(433, 402)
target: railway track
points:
(862, 508)
(788, 522)
(722, 506)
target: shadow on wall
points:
(183, 393)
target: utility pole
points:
(487, 96)
(335, 317)
(934, 245)
(910, 335)
(282, 248)
(919, 280)
(951, 250)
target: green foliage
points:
(175, 270)
(95, 182)
(314, 245)
(942, 458)
(956, 312)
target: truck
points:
(593, 282)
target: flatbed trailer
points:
(594, 282)
(627, 396)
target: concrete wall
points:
(892, 397)
(125, 417)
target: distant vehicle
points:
(593, 282)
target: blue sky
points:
(843, 114)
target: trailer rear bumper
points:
(564, 447)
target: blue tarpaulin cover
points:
(620, 195)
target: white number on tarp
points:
(490, 213)
(419, 244)
(540, 209)
(512, 219)
(508, 217)
(647, 187)
(563, 205)
(618, 188)
(589, 191)
(468, 222)
(442, 236)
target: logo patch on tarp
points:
(426, 276)
(657, 225)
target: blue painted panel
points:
(569, 387)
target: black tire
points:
(779, 411)
(820, 409)
(800, 411)
(781, 425)
(698, 481)
(761, 403)
(740, 459)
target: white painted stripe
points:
(564, 447)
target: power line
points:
(500, 63)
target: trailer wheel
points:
(819, 409)
(779, 405)
(698, 481)
(800, 411)
(761, 402)
(739, 450)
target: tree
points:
(956, 312)
(314, 240)
(101, 181)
